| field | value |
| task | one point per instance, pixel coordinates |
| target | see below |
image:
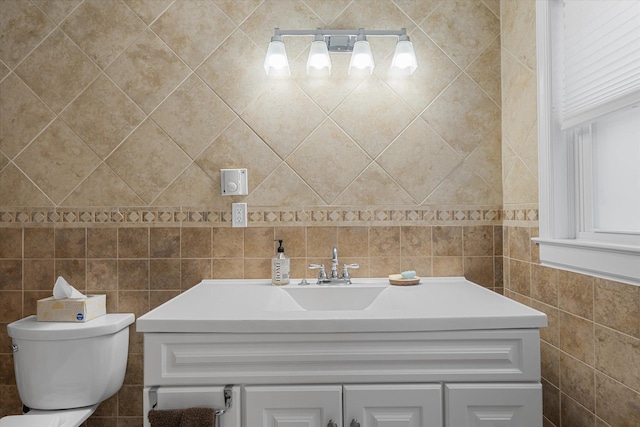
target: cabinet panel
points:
(292, 406)
(357, 358)
(493, 405)
(393, 405)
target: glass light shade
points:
(276, 62)
(319, 61)
(361, 58)
(404, 61)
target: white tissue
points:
(62, 289)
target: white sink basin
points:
(335, 297)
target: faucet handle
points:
(345, 271)
(322, 274)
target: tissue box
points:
(71, 310)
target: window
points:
(589, 136)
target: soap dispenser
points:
(280, 267)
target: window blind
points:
(601, 58)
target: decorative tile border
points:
(264, 217)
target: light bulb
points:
(319, 61)
(361, 58)
(276, 61)
(404, 61)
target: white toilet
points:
(65, 370)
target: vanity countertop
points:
(254, 306)
(368, 305)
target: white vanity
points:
(445, 352)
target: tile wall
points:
(116, 116)
(591, 348)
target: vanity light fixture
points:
(404, 61)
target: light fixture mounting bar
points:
(328, 32)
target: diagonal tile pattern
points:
(102, 29)
(148, 99)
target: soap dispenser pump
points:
(280, 267)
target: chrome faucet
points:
(334, 278)
(334, 263)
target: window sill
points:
(610, 261)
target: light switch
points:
(234, 182)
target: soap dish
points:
(397, 280)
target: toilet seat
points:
(60, 418)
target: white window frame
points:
(561, 246)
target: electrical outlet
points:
(238, 214)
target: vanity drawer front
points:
(508, 405)
(191, 359)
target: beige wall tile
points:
(625, 301)
(102, 116)
(463, 115)
(57, 10)
(193, 29)
(384, 242)
(578, 381)
(615, 354)
(102, 275)
(574, 414)
(419, 159)
(447, 241)
(193, 271)
(24, 26)
(374, 186)
(575, 294)
(462, 29)
(577, 337)
(147, 71)
(259, 243)
(164, 274)
(57, 71)
(479, 270)
(103, 29)
(372, 105)
(148, 10)
(328, 141)
(102, 242)
(279, 125)
(57, 161)
(133, 243)
(448, 266)
(10, 274)
(544, 284)
(483, 71)
(164, 242)
(196, 242)
(615, 403)
(148, 161)
(234, 71)
(22, 115)
(193, 116)
(236, 10)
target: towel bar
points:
(153, 398)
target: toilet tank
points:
(62, 365)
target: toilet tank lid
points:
(30, 329)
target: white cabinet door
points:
(293, 406)
(493, 405)
(393, 405)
